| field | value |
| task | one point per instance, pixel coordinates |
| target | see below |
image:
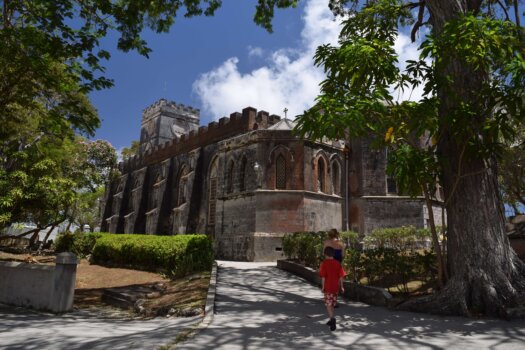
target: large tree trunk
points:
(486, 276)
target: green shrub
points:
(392, 257)
(79, 243)
(290, 246)
(350, 239)
(401, 238)
(176, 255)
(306, 247)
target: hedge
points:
(79, 243)
(177, 255)
(307, 247)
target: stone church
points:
(247, 180)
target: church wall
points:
(251, 214)
(235, 224)
(373, 166)
(322, 212)
(437, 210)
(280, 211)
(235, 214)
(388, 212)
(367, 167)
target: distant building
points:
(246, 180)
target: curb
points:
(353, 291)
(210, 300)
(208, 311)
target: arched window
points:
(321, 181)
(242, 174)
(229, 179)
(183, 184)
(280, 172)
(212, 194)
(336, 178)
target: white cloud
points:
(255, 51)
(289, 78)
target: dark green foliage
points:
(400, 238)
(306, 247)
(79, 243)
(176, 255)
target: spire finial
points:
(285, 112)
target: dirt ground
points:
(180, 297)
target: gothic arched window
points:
(212, 194)
(336, 178)
(242, 174)
(183, 184)
(321, 180)
(229, 179)
(280, 172)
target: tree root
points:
(479, 295)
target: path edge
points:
(209, 311)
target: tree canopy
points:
(50, 59)
(472, 71)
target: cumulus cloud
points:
(289, 77)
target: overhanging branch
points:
(419, 21)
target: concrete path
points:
(22, 329)
(261, 307)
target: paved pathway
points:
(22, 329)
(261, 307)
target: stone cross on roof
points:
(285, 111)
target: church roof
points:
(283, 124)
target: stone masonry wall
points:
(367, 167)
(389, 212)
(235, 221)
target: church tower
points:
(165, 120)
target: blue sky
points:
(193, 47)
(223, 64)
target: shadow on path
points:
(22, 329)
(262, 307)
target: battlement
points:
(236, 124)
(169, 107)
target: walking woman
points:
(334, 241)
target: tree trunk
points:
(48, 234)
(486, 276)
(33, 239)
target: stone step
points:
(117, 302)
(126, 297)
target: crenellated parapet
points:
(165, 106)
(237, 123)
(165, 120)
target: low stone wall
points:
(43, 287)
(353, 291)
(10, 241)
